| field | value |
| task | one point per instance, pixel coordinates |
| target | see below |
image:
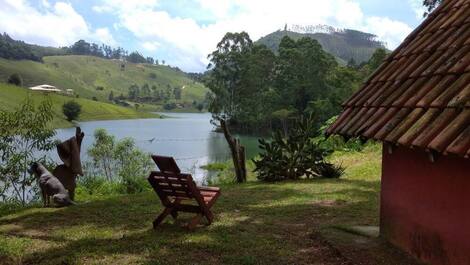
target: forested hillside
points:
(256, 89)
(343, 44)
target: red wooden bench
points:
(179, 193)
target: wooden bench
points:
(179, 193)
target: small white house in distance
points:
(45, 88)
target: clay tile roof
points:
(420, 95)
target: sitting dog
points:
(50, 186)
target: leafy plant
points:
(121, 162)
(294, 156)
(71, 110)
(25, 134)
(15, 79)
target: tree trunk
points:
(238, 153)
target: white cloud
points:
(150, 46)
(124, 5)
(103, 35)
(390, 31)
(54, 25)
(418, 8)
(189, 42)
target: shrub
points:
(71, 110)
(336, 142)
(169, 106)
(294, 156)
(15, 79)
(328, 170)
(25, 135)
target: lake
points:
(188, 137)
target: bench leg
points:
(162, 216)
(195, 221)
(174, 212)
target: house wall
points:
(425, 206)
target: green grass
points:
(255, 223)
(85, 73)
(11, 97)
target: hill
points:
(344, 44)
(12, 96)
(91, 76)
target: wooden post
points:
(234, 145)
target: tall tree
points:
(225, 78)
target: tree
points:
(200, 107)
(136, 57)
(71, 110)
(177, 92)
(15, 79)
(134, 91)
(377, 59)
(150, 60)
(111, 96)
(102, 152)
(430, 5)
(25, 134)
(225, 83)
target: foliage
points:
(71, 110)
(259, 91)
(136, 57)
(430, 5)
(119, 161)
(294, 156)
(228, 68)
(17, 50)
(25, 133)
(336, 142)
(15, 79)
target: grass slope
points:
(12, 96)
(255, 223)
(85, 73)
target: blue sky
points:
(183, 32)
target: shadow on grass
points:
(256, 223)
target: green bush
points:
(15, 79)
(294, 156)
(336, 142)
(71, 110)
(118, 162)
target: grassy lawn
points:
(255, 223)
(11, 97)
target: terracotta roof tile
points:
(420, 95)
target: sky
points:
(184, 32)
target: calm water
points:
(188, 137)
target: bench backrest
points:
(166, 164)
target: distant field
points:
(85, 73)
(11, 97)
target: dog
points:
(50, 187)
